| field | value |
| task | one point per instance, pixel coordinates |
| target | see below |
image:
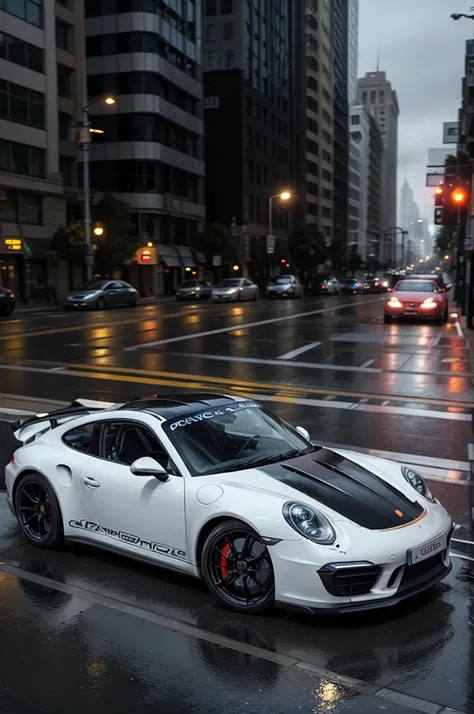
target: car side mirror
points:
(304, 433)
(146, 466)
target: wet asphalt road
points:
(120, 631)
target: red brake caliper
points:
(224, 561)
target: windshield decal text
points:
(211, 414)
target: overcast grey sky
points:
(422, 52)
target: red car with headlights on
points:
(422, 299)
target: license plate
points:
(427, 550)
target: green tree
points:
(70, 244)
(354, 262)
(116, 245)
(217, 239)
(442, 241)
(307, 249)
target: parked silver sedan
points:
(100, 294)
(284, 286)
(232, 289)
(194, 290)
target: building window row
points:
(227, 32)
(373, 96)
(23, 208)
(144, 177)
(312, 168)
(19, 52)
(152, 83)
(146, 42)
(180, 16)
(151, 128)
(214, 7)
(28, 10)
(16, 158)
(21, 105)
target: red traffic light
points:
(458, 196)
(283, 261)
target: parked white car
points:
(231, 289)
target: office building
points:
(317, 186)
(246, 63)
(376, 94)
(416, 228)
(365, 161)
(42, 83)
(151, 154)
(340, 57)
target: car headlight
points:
(417, 482)
(309, 523)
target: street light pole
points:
(86, 124)
(85, 141)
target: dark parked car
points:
(100, 294)
(194, 290)
(7, 302)
(324, 285)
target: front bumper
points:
(414, 313)
(302, 583)
(76, 304)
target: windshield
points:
(282, 279)
(94, 285)
(237, 436)
(229, 283)
(416, 286)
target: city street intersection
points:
(133, 634)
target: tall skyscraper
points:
(375, 92)
(353, 49)
(151, 154)
(42, 84)
(246, 62)
(412, 223)
(312, 39)
(366, 159)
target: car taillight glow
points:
(394, 302)
(429, 304)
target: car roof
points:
(175, 406)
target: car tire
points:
(387, 319)
(49, 523)
(101, 304)
(217, 560)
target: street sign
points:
(12, 244)
(270, 245)
(216, 261)
(451, 132)
(434, 179)
(468, 244)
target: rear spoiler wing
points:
(76, 408)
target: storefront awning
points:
(169, 256)
(187, 257)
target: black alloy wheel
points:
(38, 512)
(237, 568)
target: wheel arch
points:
(207, 528)
(28, 471)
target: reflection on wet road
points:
(128, 633)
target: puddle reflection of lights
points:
(236, 311)
(456, 385)
(192, 319)
(328, 694)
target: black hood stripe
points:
(347, 488)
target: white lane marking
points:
(246, 326)
(299, 351)
(287, 363)
(57, 369)
(409, 411)
(466, 542)
(438, 338)
(320, 365)
(13, 412)
(459, 328)
(368, 363)
(385, 403)
(410, 459)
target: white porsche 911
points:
(220, 488)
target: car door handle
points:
(91, 482)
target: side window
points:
(247, 283)
(124, 443)
(115, 285)
(83, 438)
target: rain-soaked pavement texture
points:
(102, 633)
